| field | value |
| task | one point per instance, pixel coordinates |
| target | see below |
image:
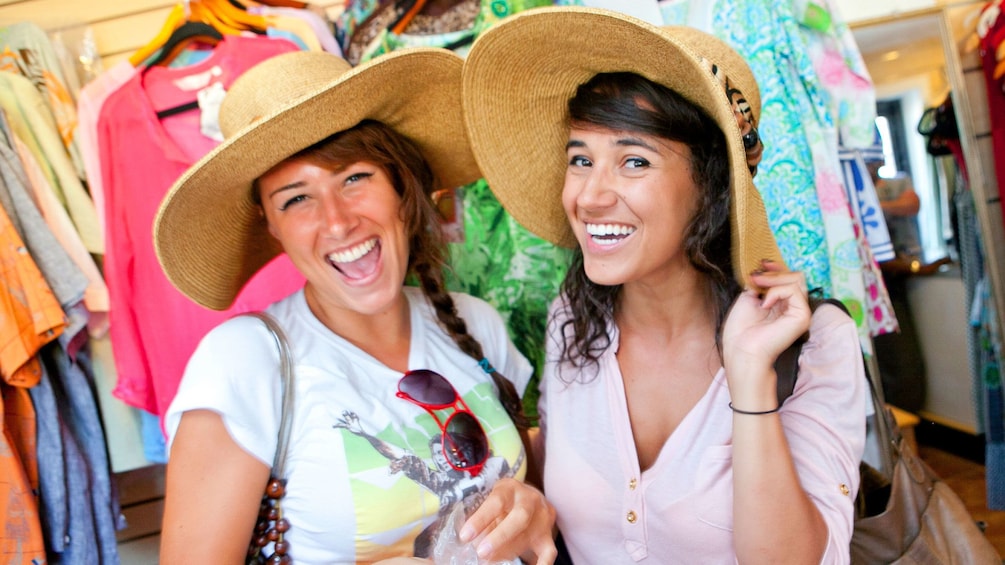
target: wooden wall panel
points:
(978, 95)
(123, 36)
(57, 13)
(120, 27)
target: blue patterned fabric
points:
(766, 34)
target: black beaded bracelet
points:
(738, 411)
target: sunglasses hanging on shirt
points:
(465, 445)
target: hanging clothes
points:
(38, 319)
(984, 321)
(34, 318)
(25, 49)
(81, 509)
(321, 29)
(371, 27)
(799, 176)
(96, 292)
(984, 337)
(89, 102)
(870, 227)
(994, 82)
(864, 200)
(154, 328)
(66, 280)
(67, 464)
(32, 122)
(983, 347)
(24, 542)
(850, 96)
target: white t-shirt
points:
(362, 482)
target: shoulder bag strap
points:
(286, 367)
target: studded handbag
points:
(272, 525)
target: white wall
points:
(858, 10)
(937, 303)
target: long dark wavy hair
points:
(629, 102)
(413, 180)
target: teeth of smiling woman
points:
(609, 230)
(350, 255)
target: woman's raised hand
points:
(760, 325)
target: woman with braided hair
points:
(334, 166)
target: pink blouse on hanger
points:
(154, 328)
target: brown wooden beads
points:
(271, 527)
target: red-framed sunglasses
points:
(465, 445)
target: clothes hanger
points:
(176, 17)
(237, 18)
(204, 12)
(284, 3)
(188, 32)
(998, 43)
(999, 39)
(399, 25)
(987, 17)
(181, 37)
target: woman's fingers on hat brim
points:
(775, 274)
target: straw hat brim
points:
(518, 79)
(209, 235)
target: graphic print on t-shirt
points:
(402, 485)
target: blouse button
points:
(631, 484)
(844, 489)
(631, 517)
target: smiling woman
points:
(676, 305)
(338, 177)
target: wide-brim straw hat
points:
(520, 75)
(209, 234)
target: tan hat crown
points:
(290, 77)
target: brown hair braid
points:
(433, 287)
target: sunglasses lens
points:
(465, 444)
(427, 387)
